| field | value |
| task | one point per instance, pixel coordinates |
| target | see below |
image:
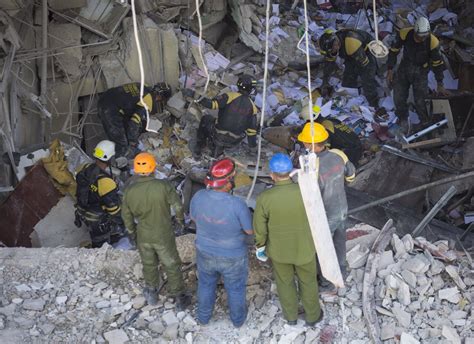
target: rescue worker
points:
(147, 216)
(98, 201)
(282, 232)
(223, 223)
(123, 115)
(341, 136)
(236, 119)
(350, 45)
(421, 50)
(334, 169)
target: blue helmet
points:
(280, 163)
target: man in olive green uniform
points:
(146, 213)
(282, 231)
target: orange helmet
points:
(144, 163)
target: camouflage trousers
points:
(416, 77)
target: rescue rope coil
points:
(376, 47)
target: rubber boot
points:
(183, 300)
(150, 295)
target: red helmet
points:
(220, 173)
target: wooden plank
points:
(313, 203)
(424, 144)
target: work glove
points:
(260, 253)
(121, 162)
(389, 78)
(252, 150)
(187, 92)
(441, 91)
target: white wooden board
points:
(313, 203)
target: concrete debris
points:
(450, 294)
(451, 335)
(407, 338)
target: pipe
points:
(410, 191)
(45, 122)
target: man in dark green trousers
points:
(147, 216)
(282, 232)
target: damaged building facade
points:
(411, 206)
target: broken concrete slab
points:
(66, 35)
(57, 227)
(62, 5)
(407, 338)
(357, 257)
(403, 317)
(453, 272)
(160, 50)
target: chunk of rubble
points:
(453, 272)
(450, 294)
(418, 264)
(451, 335)
(116, 336)
(403, 318)
(357, 257)
(398, 246)
(407, 338)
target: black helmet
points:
(326, 42)
(246, 83)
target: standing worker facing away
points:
(282, 231)
(123, 114)
(420, 50)
(223, 221)
(147, 216)
(236, 119)
(98, 201)
(334, 169)
(351, 45)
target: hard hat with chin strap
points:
(422, 27)
(104, 151)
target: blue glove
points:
(261, 255)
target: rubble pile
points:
(423, 294)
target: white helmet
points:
(104, 150)
(422, 27)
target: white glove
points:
(121, 162)
(261, 255)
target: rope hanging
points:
(376, 47)
(142, 70)
(200, 47)
(264, 100)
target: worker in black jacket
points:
(123, 114)
(421, 51)
(236, 118)
(98, 201)
(350, 45)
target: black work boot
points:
(150, 295)
(312, 323)
(183, 300)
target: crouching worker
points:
(282, 232)
(223, 221)
(98, 201)
(147, 216)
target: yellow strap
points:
(251, 132)
(341, 154)
(215, 105)
(105, 185)
(350, 178)
(437, 63)
(136, 118)
(365, 62)
(112, 210)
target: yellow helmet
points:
(320, 133)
